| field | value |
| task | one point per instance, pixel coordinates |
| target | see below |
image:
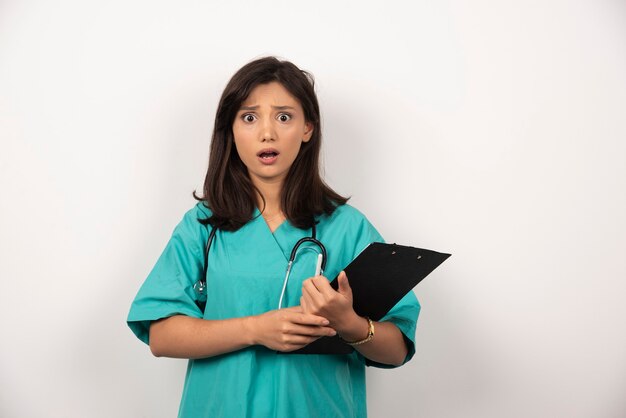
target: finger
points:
(297, 343)
(310, 289)
(311, 307)
(322, 285)
(311, 331)
(344, 285)
(308, 319)
(293, 309)
(303, 304)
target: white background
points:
(494, 130)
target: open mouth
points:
(267, 154)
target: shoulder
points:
(346, 232)
(197, 213)
(190, 225)
(346, 213)
(347, 219)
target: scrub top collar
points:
(284, 236)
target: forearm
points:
(386, 347)
(182, 336)
(284, 329)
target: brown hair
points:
(228, 190)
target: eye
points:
(248, 117)
(284, 117)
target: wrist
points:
(370, 334)
(355, 329)
(249, 328)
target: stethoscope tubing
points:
(200, 286)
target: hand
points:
(289, 329)
(318, 298)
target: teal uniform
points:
(245, 277)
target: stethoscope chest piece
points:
(200, 288)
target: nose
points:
(268, 133)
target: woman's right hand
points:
(289, 329)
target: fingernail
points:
(333, 332)
(325, 322)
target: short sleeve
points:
(168, 289)
(405, 313)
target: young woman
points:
(262, 194)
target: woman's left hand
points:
(319, 298)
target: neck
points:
(270, 192)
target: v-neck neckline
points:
(258, 214)
(278, 237)
(284, 236)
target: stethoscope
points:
(200, 285)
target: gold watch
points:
(370, 334)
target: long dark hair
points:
(228, 190)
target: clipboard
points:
(379, 276)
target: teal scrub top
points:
(245, 277)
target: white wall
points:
(491, 129)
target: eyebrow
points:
(273, 107)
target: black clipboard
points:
(379, 276)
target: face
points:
(269, 129)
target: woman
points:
(262, 193)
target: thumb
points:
(344, 286)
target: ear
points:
(308, 132)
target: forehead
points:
(272, 94)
